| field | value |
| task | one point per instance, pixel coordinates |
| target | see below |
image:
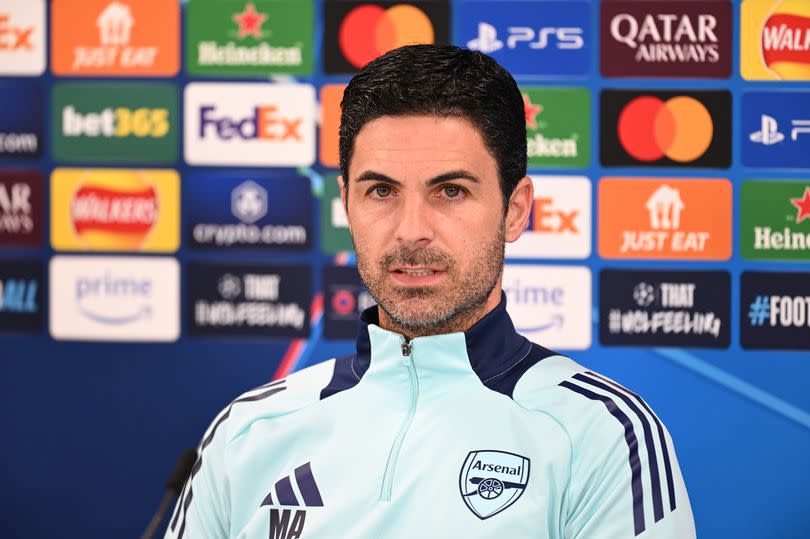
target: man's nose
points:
(414, 220)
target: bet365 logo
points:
(115, 123)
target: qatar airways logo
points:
(254, 124)
(550, 305)
(657, 38)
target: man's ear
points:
(520, 207)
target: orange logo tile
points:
(331, 95)
(665, 218)
(115, 37)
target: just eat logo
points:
(253, 124)
(22, 37)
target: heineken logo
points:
(251, 38)
(776, 220)
(557, 126)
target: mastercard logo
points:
(369, 31)
(679, 128)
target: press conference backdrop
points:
(171, 235)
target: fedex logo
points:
(253, 124)
(266, 122)
(22, 37)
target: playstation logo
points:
(768, 133)
(487, 40)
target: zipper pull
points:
(406, 349)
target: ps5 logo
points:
(769, 133)
(542, 38)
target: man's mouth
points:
(416, 276)
(415, 271)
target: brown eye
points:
(382, 191)
(452, 191)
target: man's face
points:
(426, 214)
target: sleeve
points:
(625, 479)
(203, 508)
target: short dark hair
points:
(440, 80)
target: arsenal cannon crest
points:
(490, 481)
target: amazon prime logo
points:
(490, 481)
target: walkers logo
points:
(558, 126)
(331, 96)
(249, 37)
(776, 129)
(21, 296)
(335, 235)
(115, 210)
(529, 39)
(775, 40)
(259, 124)
(666, 39)
(115, 123)
(129, 38)
(664, 308)
(665, 218)
(356, 32)
(345, 298)
(21, 126)
(775, 220)
(248, 300)
(775, 310)
(21, 208)
(260, 211)
(560, 222)
(550, 305)
(22, 37)
(283, 523)
(666, 129)
(491, 481)
(101, 298)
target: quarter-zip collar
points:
(492, 346)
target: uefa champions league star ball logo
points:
(249, 202)
(490, 481)
(644, 294)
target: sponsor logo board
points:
(331, 95)
(775, 220)
(250, 124)
(775, 39)
(356, 32)
(335, 235)
(345, 298)
(776, 129)
(655, 128)
(658, 38)
(550, 305)
(665, 218)
(21, 296)
(115, 123)
(258, 211)
(123, 38)
(775, 310)
(21, 124)
(115, 210)
(664, 308)
(248, 300)
(249, 37)
(529, 38)
(22, 207)
(560, 221)
(105, 298)
(558, 126)
(22, 37)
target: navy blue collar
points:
(493, 345)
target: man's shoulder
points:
(278, 398)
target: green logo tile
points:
(115, 123)
(335, 236)
(775, 220)
(249, 37)
(558, 126)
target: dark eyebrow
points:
(371, 175)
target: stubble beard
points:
(454, 305)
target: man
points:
(445, 422)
